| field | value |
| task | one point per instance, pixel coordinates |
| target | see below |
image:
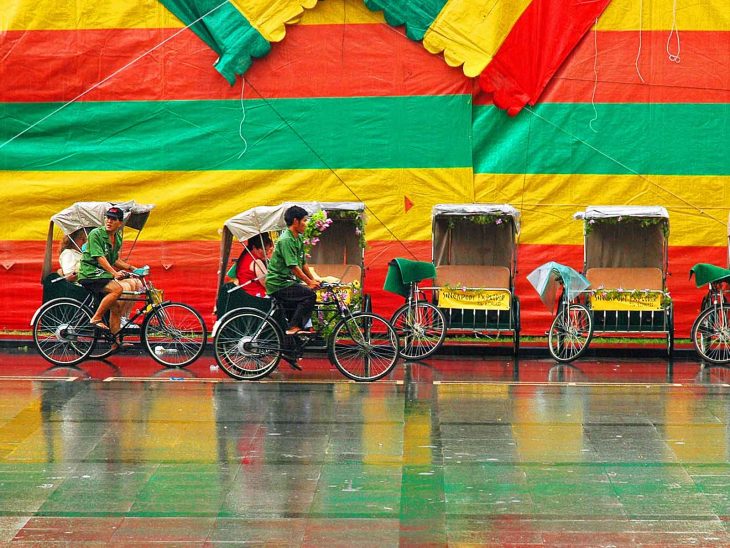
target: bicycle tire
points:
(421, 328)
(364, 347)
(62, 332)
(711, 335)
(235, 348)
(570, 333)
(174, 334)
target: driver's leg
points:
(112, 292)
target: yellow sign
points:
(475, 299)
(628, 301)
(344, 292)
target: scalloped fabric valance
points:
(514, 47)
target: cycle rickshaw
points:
(626, 263)
(174, 334)
(249, 339)
(474, 251)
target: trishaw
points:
(174, 334)
(474, 257)
(626, 261)
(249, 337)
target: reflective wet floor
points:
(455, 451)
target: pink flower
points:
(498, 221)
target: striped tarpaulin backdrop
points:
(342, 105)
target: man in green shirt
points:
(99, 268)
(289, 279)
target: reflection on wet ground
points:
(600, 453)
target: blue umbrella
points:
(545, 279)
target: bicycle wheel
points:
(62, 333)
(421, 327)
(570, 333)
(364, 347)
(711, 335)
(174, 334)
(248, 345)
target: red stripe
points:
(313, 61)
(191, 277)
(701, 77)
(544, 35)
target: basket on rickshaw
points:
(626, 264)
(338, 254)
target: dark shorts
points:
(95, 285)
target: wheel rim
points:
(174, 334)
(365, 347)
(570, 333)
(62, 333)
(712, 335)
(421, 329)
(247, 346)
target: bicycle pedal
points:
(292, 362)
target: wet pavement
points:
(470, 450)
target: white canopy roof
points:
(85, 214)
(461, 210)
(260, 219)
(609, 212)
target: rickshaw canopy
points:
(545, 279)
(466, 210)
(260, 219)
(609, 212)
(91, 214)
(86, 214)
(628, 237)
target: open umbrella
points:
(546, 277)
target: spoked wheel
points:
(364, 347)
(62, 332)
(516, 325)
(570, 333)
(421, 328)
(174, 334)
(711, 335)
(248, 345)
(670, 332)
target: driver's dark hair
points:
(294, 213)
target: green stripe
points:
(416, 16)
(225, 30)
(659, 139)
(360, 133)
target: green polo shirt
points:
(288, 252)
(99, 246)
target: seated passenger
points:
(70, 256)
(249, 270)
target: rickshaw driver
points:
(289, 279)
(98, 268)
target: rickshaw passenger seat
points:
(477, 276)
(346, 273)
(626, 278)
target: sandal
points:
(293, 330)
(121, 347)
(100, 325)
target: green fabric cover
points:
(402, 272)
(708, 273)
(417, 16)
(225, 30)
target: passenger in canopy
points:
(249, 270)
(71, 253)
(289, 278)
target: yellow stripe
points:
(657, 15)
(469, 32)
(338, 12)
(194, 205)
(131, 14)
(86, 14)
(698, 206)
(270, 17)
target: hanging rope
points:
(595, 76)
(638, 52)
(674, 57)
